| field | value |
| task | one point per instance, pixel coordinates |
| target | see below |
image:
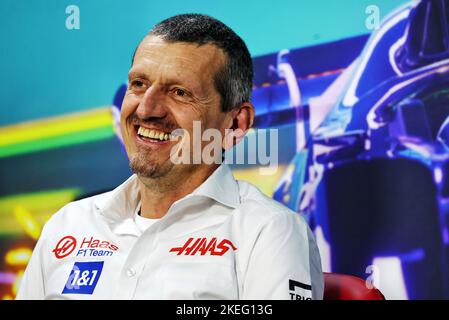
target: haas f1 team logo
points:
(65, 247)
(203, 246)
(88, 247)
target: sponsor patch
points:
(83, 278)
(299, 290)
(202, 246)
(65, 247)
(87, 247)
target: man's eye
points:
(137, 84)
(180, 92)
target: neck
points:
(157, 195)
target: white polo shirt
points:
(225, 240)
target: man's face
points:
(170, 85)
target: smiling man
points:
(179, 230)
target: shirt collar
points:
(221, 187)
(122, 201)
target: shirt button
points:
(130, 272)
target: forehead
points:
(178, 58)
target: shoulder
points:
(255, 201)
(74, 216)
(271, 235)
(260, 210)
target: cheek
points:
(207, 116)
(129, 105)
(185, 117)
(216, 120)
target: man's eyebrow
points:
(132, 74)
(136, 74)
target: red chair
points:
(346, 287)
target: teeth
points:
(158, 135)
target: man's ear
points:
(241, 120)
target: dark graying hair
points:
(235, 79)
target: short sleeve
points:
(285, 262)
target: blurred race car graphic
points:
(371, 169)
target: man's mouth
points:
(152, 134)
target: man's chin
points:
(147, 170)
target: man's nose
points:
(152, 104)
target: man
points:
(179, 229)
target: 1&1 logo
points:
(83, 278)
(65, 247)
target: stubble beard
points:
(141, 165)
(159, 177)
